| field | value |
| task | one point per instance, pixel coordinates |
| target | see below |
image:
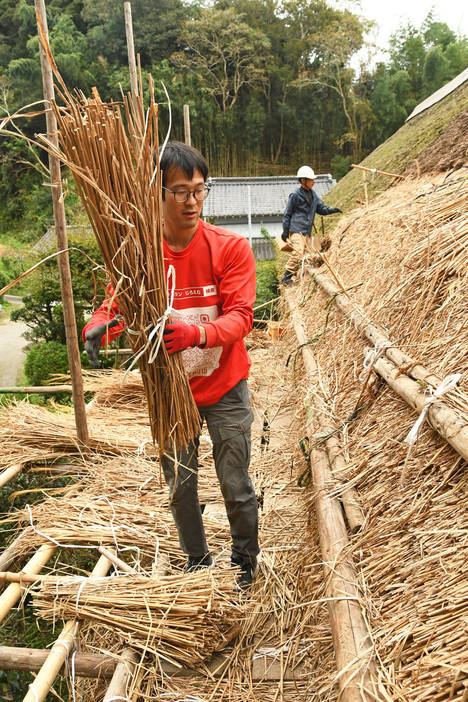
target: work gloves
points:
(335, 210)
(93, 341)
(285, 236)
(179, 336)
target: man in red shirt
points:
(213, 312)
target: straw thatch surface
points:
(119, 502)
(407, 257)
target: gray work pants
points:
(229, 422)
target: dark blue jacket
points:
(300, 211)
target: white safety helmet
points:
(306, 172)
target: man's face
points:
(308, 183)
(182, 215)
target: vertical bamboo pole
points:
(62, 244)
(364, 180)
(187, 136)
(131, 49)
(61, 649)
(124, 670)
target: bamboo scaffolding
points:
(61, 648)
(349, 496)
(13, 592)
(351, 641)
(446, 421)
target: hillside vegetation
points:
(418, 146)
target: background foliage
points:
(270, 83)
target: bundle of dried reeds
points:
(180, 619)
(112, 157)
(32, 434)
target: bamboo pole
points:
(86, 665)
(34, 389)
(61, 648)
(187, 137)
(349, 497)
(13, 592)
(366, 196)
(444, 420)
(374, 170)
(131, 49)
(62, 243)
(351, 641)
(441, 418)
(10, 473)
(122, 675)
(10, 553)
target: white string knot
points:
(158, 329)
(446, 385)
(372, 356)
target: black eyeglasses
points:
(200, 193)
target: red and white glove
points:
(179, 336)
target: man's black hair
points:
(180, 155)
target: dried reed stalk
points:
(112, 157)
(180, 619)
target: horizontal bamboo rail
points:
(61, 648)
(374, 170)
(443, 419)
(34, 389)
(351, 641)
(13, 592)
(86, 665)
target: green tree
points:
(225, 53)
(436, 71)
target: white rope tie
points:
(36, 696)
(372, 356)
(158, 329)
(446, 385)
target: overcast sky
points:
(390, 14)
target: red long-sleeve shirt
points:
(214, 287)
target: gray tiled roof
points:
(229, 197)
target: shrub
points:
(44, 359)
(267, 287)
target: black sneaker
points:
(248, 571)
(198, 562)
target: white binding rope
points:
(446, 385)
(373, 355)
(158, 329)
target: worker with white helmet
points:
(298, 220)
